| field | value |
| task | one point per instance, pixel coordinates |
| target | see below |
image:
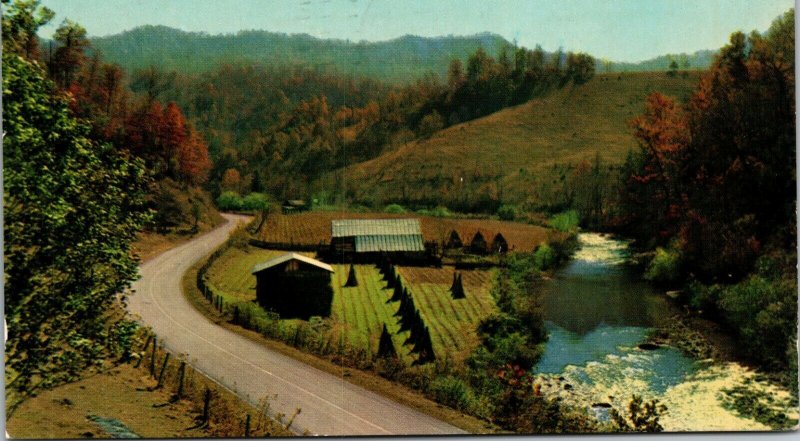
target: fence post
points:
(161, 374)
(144, 350)
(181, 374)
(206, 400)
(153, 358)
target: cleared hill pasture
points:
(518, 154)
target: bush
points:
(453, 392)
(255, 202)
(566, 221)
(394, 209)
(544, 257)
(440, 212)
(230, 201)
(665, 266)
(507, 212)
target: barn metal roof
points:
(375, 227)
(290, 256)
(377, 243)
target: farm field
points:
(314, 228)
(359, 312)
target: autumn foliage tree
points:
(716, 176)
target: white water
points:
(597, 315)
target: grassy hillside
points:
(518, 154)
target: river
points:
(598, 312)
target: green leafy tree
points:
(21, 19)
(72, 209)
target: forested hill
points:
(699, 60)
(401, 60)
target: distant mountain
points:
(400, 60)
(699, 60)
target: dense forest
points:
(276, 130)
(403, 60)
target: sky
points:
(619, 30)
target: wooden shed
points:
(294, 286)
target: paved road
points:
(330, 405)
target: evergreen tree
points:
(351, 277)
(386, 346)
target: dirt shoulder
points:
(120, 393)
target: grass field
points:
(359, 313)
(511, 153)
(314, 227)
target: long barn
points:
(367, 238)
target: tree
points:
(70, 55)
(385, 345)
(72, 209)
(193, 161)
(172, 138)
(673, 68)
(641, 416)
(351, 278)
(231, 180)
(21, 20)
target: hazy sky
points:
(621, 30)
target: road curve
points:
(329, 405)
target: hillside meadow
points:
(518, 154)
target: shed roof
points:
(287, 257)
(375, 227)
(389, 243)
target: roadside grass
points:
(367, 379)
(129, 393)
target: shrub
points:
(507, 212)
(440, 212)
(255, 202)
(453, 392)
(544, 257)
(230, 200)
(665, 266)
(566, 221)
(394, 209)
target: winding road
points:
(329, 405)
